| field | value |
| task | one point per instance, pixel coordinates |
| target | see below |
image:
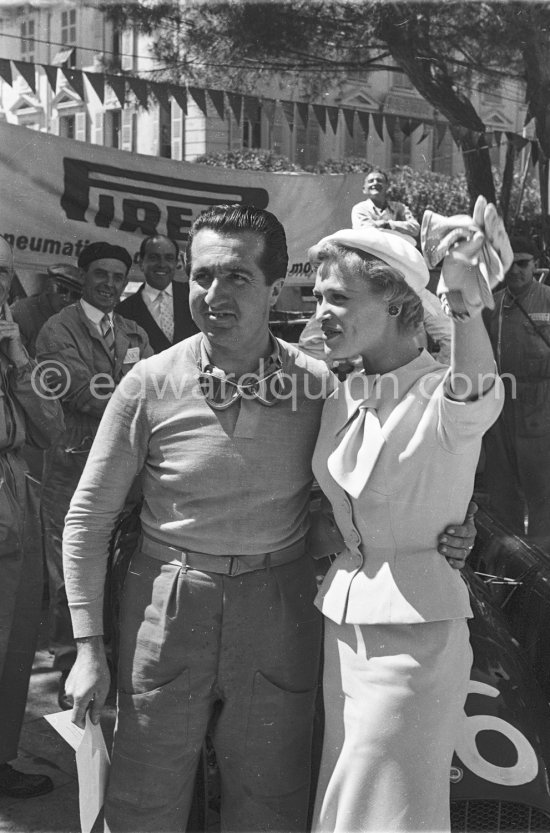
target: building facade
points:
(60, 36)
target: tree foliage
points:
(311, 46)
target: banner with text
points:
(60, 194)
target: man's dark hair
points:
(231, 219)
(146, 240)
(377, 171)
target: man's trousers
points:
(189, 641)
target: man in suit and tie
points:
(86, 349)
(161, 305)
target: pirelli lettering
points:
(132, 201)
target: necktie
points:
(352, 462)
(166, 315)
(108, 334)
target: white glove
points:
(477, 254)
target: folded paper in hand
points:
(92, 764)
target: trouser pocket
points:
(278, 739)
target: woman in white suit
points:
(396, 456)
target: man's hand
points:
(12, 346)
(89, 680)
(457, 542)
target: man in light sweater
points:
(217, 614)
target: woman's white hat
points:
(390, 246)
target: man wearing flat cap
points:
(90, 349)
(63, 286)
(517, 468)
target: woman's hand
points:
(475, 262)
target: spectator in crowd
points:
(217, 609)
(91, 349)
(395, 217)
(517, 448)
(380, 212)
(25, 416)
(161, 305)
(63, 286)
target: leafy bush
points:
(250, 160)
(417, 189)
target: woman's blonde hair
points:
(384, 280)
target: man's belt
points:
(228, 565)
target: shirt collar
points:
(267, 365)
(94, 314)
(150, 294)
(362, 390)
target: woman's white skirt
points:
(394, 703)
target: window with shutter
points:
(99, 129)
(177, 131)
(81, 124)
(127, 139)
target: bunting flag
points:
(51, 75)
(349, 118)
(518, 141)
(408, 125)
(251, 108)
(288, 110)
(199, 97)
(161, 93)
(378, 121)
(118, 85)
(269, 107)
(179, 94)
(440, 130)
(425, 133)
(5, 71)
(236, 103)
(27, 70)
(140, 90)
(321, 116)
(332, 115)
(303, 111)
(363, 117)
(75, 79)
(218, 102)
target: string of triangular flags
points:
(248, 106)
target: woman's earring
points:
(394, 310)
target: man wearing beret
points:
(161, 304)
(63, 286)
(218, 625)
(517, 467)
(89, 349)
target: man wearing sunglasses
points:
(63, 286)
(218, 628)
(517, 468)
